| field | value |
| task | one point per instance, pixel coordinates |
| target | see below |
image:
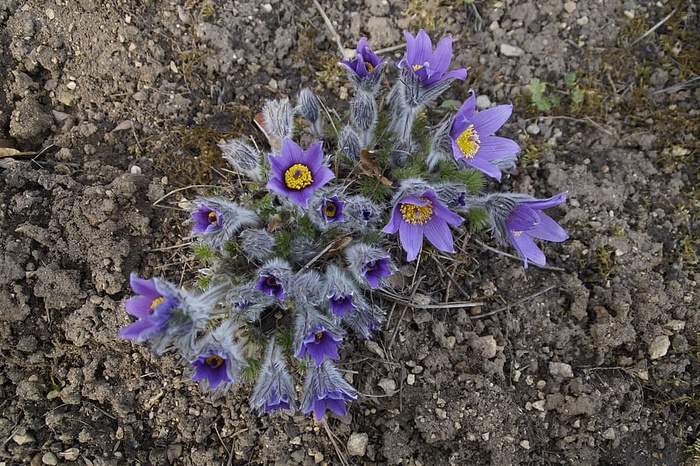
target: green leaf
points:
(478, 220)
(570, 79)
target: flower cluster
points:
(293, 261)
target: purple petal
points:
(522, 218)
(439, 235)
(548, 230)
(445, 214)
(313, 158)
(291, 152)
(485, 166)
(395, 222)
(527, 248)
(321, 176)
(337, 406)
(277, 186)
(144, 287)
(495, 147)
(139, 331)
(139, 306)
(442, 56)
(411, 240)
(319, 408)
(547, 203)
(301, 196)
(422, 49)
(488, 121)
(459, 73)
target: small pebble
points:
(411, 379)
(388, 385)
(533, 129)
(570, 7)
(483, 102)
(357, 444)
(511, 50)
(267, 7)
(50, 13)
(71, 454)
(50, 458)
(525, 444)
(71, 85)
(559, 369)
(135, 170)
(609, 434)
(659, 347)
(22, 437)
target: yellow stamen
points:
(156, 302)
(330, 209)
(212, 218)
(214, 361)
(517, 233)
(417, 67)
(369, 67)
(318, 335)
(298, 177)
(468, 142)
(417, 214)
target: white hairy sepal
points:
(245, 304)
(256, 244)
(349, 144)
(338, 283)
(243, 157)
(234, 218)
(320, 381)
(440, 144)
(273, 375)
(307, 287)
(278, 268)
(410, 186)
(279, 122)
(365, 319)
(363, 115)
(367, 84)
(354, 212)
(309, 107)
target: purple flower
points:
(374, 270)
(271, 285)
(213, 367)
(296, 173)
(366, 61)
(472, 140)
(428, 65)
(153, 307)
(325, 388)
(207, 219)
(417, 215)
(275, 387)
(319, 344)
(340, 304)
(332, 209)
(527, 221)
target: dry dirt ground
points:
(119, 102)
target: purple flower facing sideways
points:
(319, 344)
(325, 388)
(428, 65)
(271, 286)
(297, 173)
(207, 219)
(527, 221)
(276, 401)
(365, 62)
(374, 270)
(332, 209)
(472, 140)
(417, 215)
(212, 367)
(340, 304)
(274, 389)
(153, 307)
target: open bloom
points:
(472, 140)
(417, 215)
(325, 388)
(332, 209)
(366, 62)
(296, 173)
(271, 285)
(154, 308)
(319, 344)
(428, 65)
(373, 270)
(527, 221)
(213, 367)
(207, 219)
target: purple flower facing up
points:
(319, 344)
(271, 286)
(366, 61)
(332, 210)
(325, 388)
(428, 65)
(527, 221)
(296, 174)
(207, 219)
(375, 269)
(472, 140)
(154, 308)
(417, 215)
(213, 367)
(341, 303)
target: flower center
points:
(417, 67)
(318, 335)
(214, 361)
(155, 304)
(298, 177)
(330, 209)
(468, 142)
(417, 214)
(272, 281)
(517, 233)
(212, 218)
(370, 266)
(369, 67)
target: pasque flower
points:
(472, 140)
(416, 215)
(207, 219)
(275, 387)
(218, 358)
(319, 344)
(297, 173)
(325, 388)
(332, 209)
(154, 308)
(366, 68)
(213, 367)
(428, 65)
